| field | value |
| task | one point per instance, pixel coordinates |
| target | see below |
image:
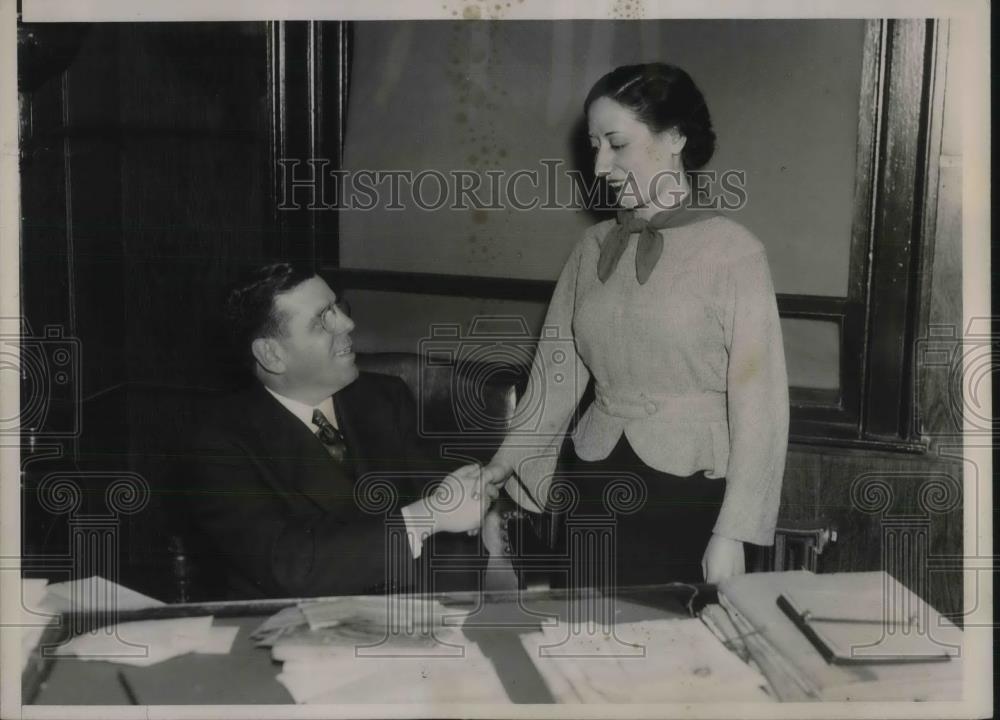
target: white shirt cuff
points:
(417, 530)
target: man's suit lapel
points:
(367, 413)
(355, 425)
(301, 462)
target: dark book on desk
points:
(882, 665)
(844, 636)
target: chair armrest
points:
(798, 544)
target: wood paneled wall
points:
(146, 188)
(875, 501)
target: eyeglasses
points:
(329, 316)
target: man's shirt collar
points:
(305, 412)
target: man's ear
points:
(268, 355)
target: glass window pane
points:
(812, 353)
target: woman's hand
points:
(497, 473)
(723, 559)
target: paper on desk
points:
(33, 617)
(94, 593)
(351, 679)
(642, 662)
(401, 611)
(343, 650)
(147, 642)
(219, 641)
(33, 590)
(350, 639)
(278, 625)
(785, 678)
(43, 602)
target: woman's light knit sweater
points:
(690, 366)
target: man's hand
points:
(723, 559)
(459, 503)
(495, 475)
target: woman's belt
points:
(709, 406)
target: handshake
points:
(460, 501)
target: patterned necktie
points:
(330, 436)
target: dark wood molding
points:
(852, 359)
(896, 229)
(500, 288)
(869, 122)
(809, 307)
(276, 115)
(935, 120)
(813, 397)
(331, 63)
(812, 307)
(67, 155)
(293, 117)
(307, 95)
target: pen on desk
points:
(807, 616)
(127, 687)
(862, 621)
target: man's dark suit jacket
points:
(280, 516)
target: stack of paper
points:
(384, 649)
(722, 626)
(786, 681)
(147, 642)
(33, 617)
(42, 603)
(656, 661)
(400, 612)
(278, 625)
(366, 625)
(468, 678)
(133, 643)
(95, 594)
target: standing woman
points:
(671, 310)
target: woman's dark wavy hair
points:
(662, 96)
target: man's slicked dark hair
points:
(250, 311)
(663, 97)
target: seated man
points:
(300, 478)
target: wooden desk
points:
(247, 674)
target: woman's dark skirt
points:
(619, 520)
